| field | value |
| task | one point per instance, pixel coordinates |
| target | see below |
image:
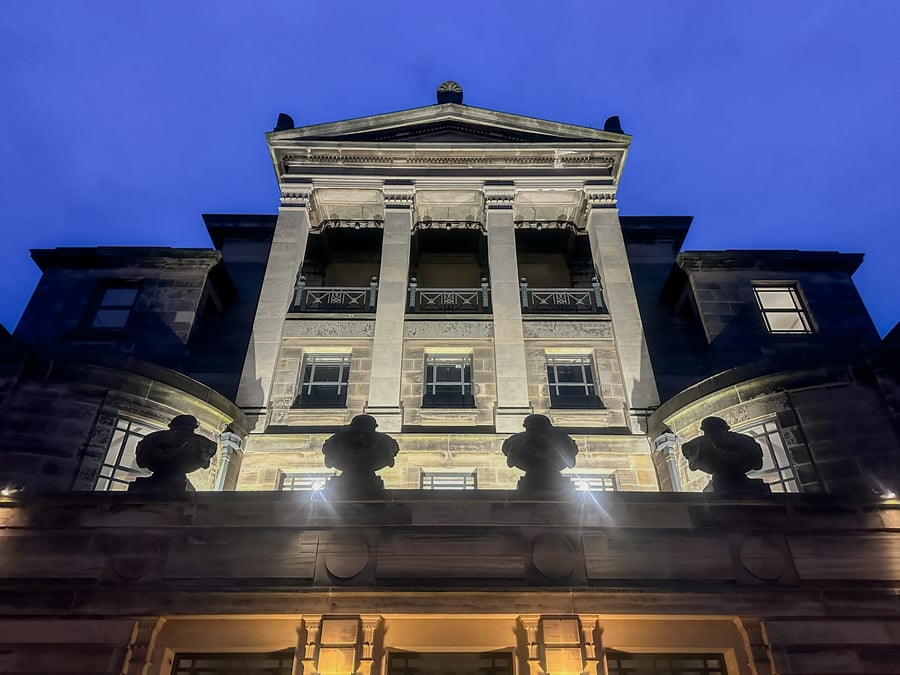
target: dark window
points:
(114, 306)
(622, 663)
(119, 468)
(782, 309)
(447, 480)
(324, 381)
(571, 380)
(437, 663)
(448, 381)
(273, 663)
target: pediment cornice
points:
(473, 124)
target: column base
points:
(389, 418)
(509, 420)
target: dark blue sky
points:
(774, 123)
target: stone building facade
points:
(448, 270)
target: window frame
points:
(306, 398)
(115, 468)
(97, 304)
(785, 473)
(448, 480)
(799, 308)
(464, 398)
(590, 399)
(296, 481)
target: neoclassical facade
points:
(448, 270)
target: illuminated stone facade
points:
(448, 270)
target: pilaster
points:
(611, 260)
(285, 259)
(137, 660)
(531, 623)
(370, 625)
(387, 347)
(760, 657)
(509, 340)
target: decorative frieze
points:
(329, 328)
(448, 329)
(592, 330)
(449, 225)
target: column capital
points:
(295, 195)
(499, 194)
(600, 196)
(398, 194)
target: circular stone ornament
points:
(553, 555)
(346, 557)
(762, 557)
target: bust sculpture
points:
(541, 451)
(170, 455)
(727, 456)
(358, 451)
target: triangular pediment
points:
(447, 123)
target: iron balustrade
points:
(562, 300)
(334, 298)
(470, 300)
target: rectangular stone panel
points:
(279, 554)
(661, 555)
(436, 556)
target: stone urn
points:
(170, 455)
(358, 451)
(727, 456)
(541, 451)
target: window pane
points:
(786, 322)
(118, 297)
(778, 469)
(110, 318)
(448, 381)
(324, 381)
(776, 299)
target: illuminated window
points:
(777, 469)
(571, 380)
(448, 480)
(119, 467)
(448, 381)
(304, 482)
(273, 663)
(324, 381)
(114, 306)
(782, 309)
(594, 482)
(620, 663)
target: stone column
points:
(285, 258)
(143, 640)
(229, 445)
(305, 655)
(387, 347)
(666, 445)
(509, 340)
(611, 261)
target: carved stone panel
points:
(591, 330)
(330, 328)
(448, 329)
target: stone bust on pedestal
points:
(170, 455)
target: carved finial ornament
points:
(450, 92)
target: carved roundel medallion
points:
(553, 556)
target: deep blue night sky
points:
(774, 123)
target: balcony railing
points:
(334, 298)
(469, 300)
(562, 300)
